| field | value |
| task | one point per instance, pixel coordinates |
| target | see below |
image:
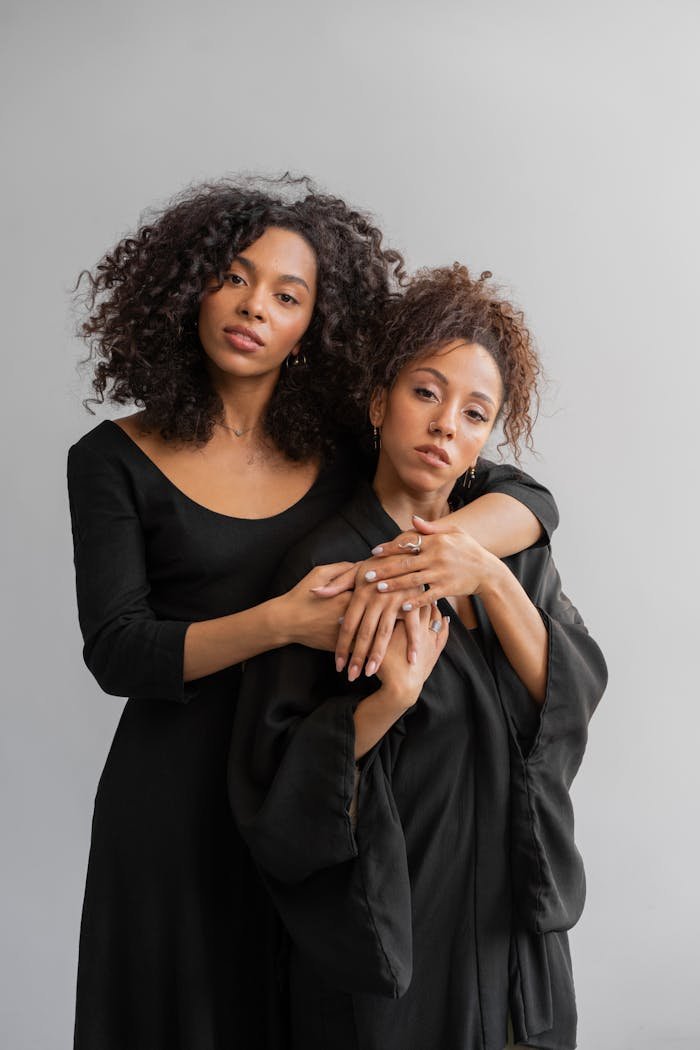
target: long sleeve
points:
(510, 480)
(128, 650)
(342, 894)
(547, 746)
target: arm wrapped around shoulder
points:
(128, 650)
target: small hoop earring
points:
(296, 360)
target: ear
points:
(377, 407)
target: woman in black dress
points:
(415, 830)
(235, 320)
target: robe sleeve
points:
(342, 893)
(547, 746)
(510, 480)
(126, 647)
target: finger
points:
(397, 545)
(344, 581)
(441, 639)
(414, 627)
(427, 528)
(350, 622)
(401, 583)
(436, 619)
(364, 636)
(380, 642)
(387, 568)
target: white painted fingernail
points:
(406, 607)
(371, 668)
(340, 619)
(370, 575)
(382, 586)
(339, 664)
(377, 550)
(412, 656)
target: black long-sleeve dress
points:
(447, 905)
(176, 949)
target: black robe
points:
(449, 902)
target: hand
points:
(404, 680)
(368, 623)
(450, 562)
(308, 617)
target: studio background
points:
(551, 142)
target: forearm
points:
(499, 522)
(211, 645)
(374, 716)
(519, 627)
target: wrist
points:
(491, 576)
(396, 698)
(278, 622)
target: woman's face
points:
(249, 326)
(437, 417)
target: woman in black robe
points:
(181, 514)
(415, 829)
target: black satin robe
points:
(448, 904)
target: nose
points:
(251, 304)
(444, 424)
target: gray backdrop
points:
(554, 143)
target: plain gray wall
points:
(555, 143)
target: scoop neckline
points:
(201, 506)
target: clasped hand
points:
(394, 584)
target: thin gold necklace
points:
(236, 431)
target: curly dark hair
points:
(143, 298)
(443, 304)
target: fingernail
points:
(339, 664)
(371, 668)
(315, 590)
(353, 672)
(417, 517)
(406, 607)
(377, 550)
(434, 602)
(382, 586)
(447, 620)
(340, 619)
(412, 656)
(370, 575)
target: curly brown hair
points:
(142, 301)
(443, 304)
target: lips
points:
(434, 455)
(243, 338)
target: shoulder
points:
(105, 450)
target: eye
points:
(425, 393)
(233, 278)
(286, 298)
(475, 414)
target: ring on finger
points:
(436, 625)
(413, 547)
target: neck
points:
(401, 503)
(245, 399)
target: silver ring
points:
(436, 625)
(414, 547)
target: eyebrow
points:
(290, 278)
(445, 381)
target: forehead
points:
(463, 364)
(283, 251)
